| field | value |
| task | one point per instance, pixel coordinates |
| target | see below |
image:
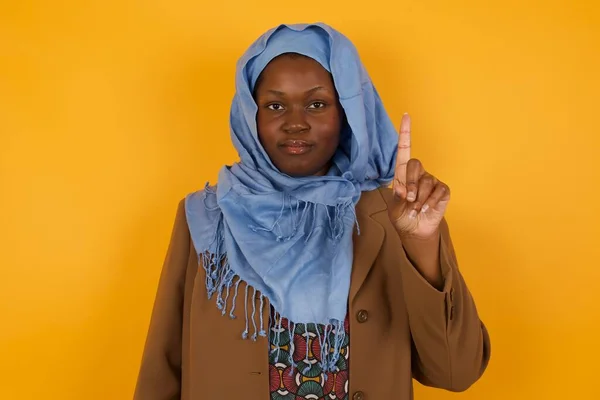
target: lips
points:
(296, 147)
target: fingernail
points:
(411, 196)
(412, 214)
(425, 208)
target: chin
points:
(295, 173)
(302, 171)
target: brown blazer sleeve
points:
(451, 345)
(160, 372)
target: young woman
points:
(301, 274)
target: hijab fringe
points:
(221, 279)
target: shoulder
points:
(189, 202)
(180, 234)
(187, 210)
(196, 205)
(375, 201)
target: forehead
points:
(294, 68)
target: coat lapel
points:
(368, 243)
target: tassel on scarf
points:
(221, 279)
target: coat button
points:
(362, 316)
(358, 396)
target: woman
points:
(342, 287)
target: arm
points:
(424, 254)
(160, 372)
(451, 344)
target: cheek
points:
(332, 131)
(266, 132)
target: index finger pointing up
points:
(403, 155)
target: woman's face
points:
(299, 115)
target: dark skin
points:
(299, 116)
(299, 121)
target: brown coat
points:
(410, 330)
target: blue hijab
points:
(288, 238)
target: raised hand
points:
(420, 198)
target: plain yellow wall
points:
(111, 111)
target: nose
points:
(295, 121)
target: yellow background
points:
(111, 111)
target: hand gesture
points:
(420, 198)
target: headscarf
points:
(289, 239)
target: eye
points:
(275, 107)
(317, 105)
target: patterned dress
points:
(304, 378)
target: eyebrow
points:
(310, 91)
